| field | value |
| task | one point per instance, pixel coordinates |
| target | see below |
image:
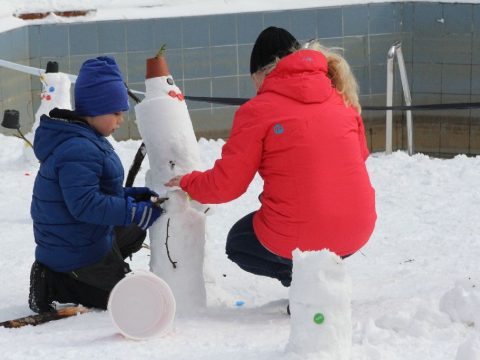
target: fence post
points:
(396, 49)
(389, 114)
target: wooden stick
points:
(174, 263)
(42, 318)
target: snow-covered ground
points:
(415, 284)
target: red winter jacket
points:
(310, 151)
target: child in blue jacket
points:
(85, 222)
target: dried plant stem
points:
(161, 52)
(174, 263)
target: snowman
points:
(55, 94)
(177, 239)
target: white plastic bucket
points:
(142, 305)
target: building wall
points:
(15, 89)
(209, 56)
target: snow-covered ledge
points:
(100, 10)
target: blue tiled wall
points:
(15, 90)
(209, 55)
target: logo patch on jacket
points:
(278, 129)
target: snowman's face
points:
(48, 88)
(172, 89)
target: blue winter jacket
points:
(77, 196)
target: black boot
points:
(39, 297)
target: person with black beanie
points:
(304, 135)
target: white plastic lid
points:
(141, 306)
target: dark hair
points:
(272, 43)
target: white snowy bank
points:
(413, 293)
(100, 10)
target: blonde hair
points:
(340, 73)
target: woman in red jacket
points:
(304, 135)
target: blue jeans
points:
(244, 249)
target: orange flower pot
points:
(157, 67)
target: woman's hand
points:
(175, 181)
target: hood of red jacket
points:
(301, 76)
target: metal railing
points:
(396, 50)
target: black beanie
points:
(273, 42)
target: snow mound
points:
(320, 303)
(462, 303)
(469, 350)
(418, 322)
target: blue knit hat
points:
(99, 88)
